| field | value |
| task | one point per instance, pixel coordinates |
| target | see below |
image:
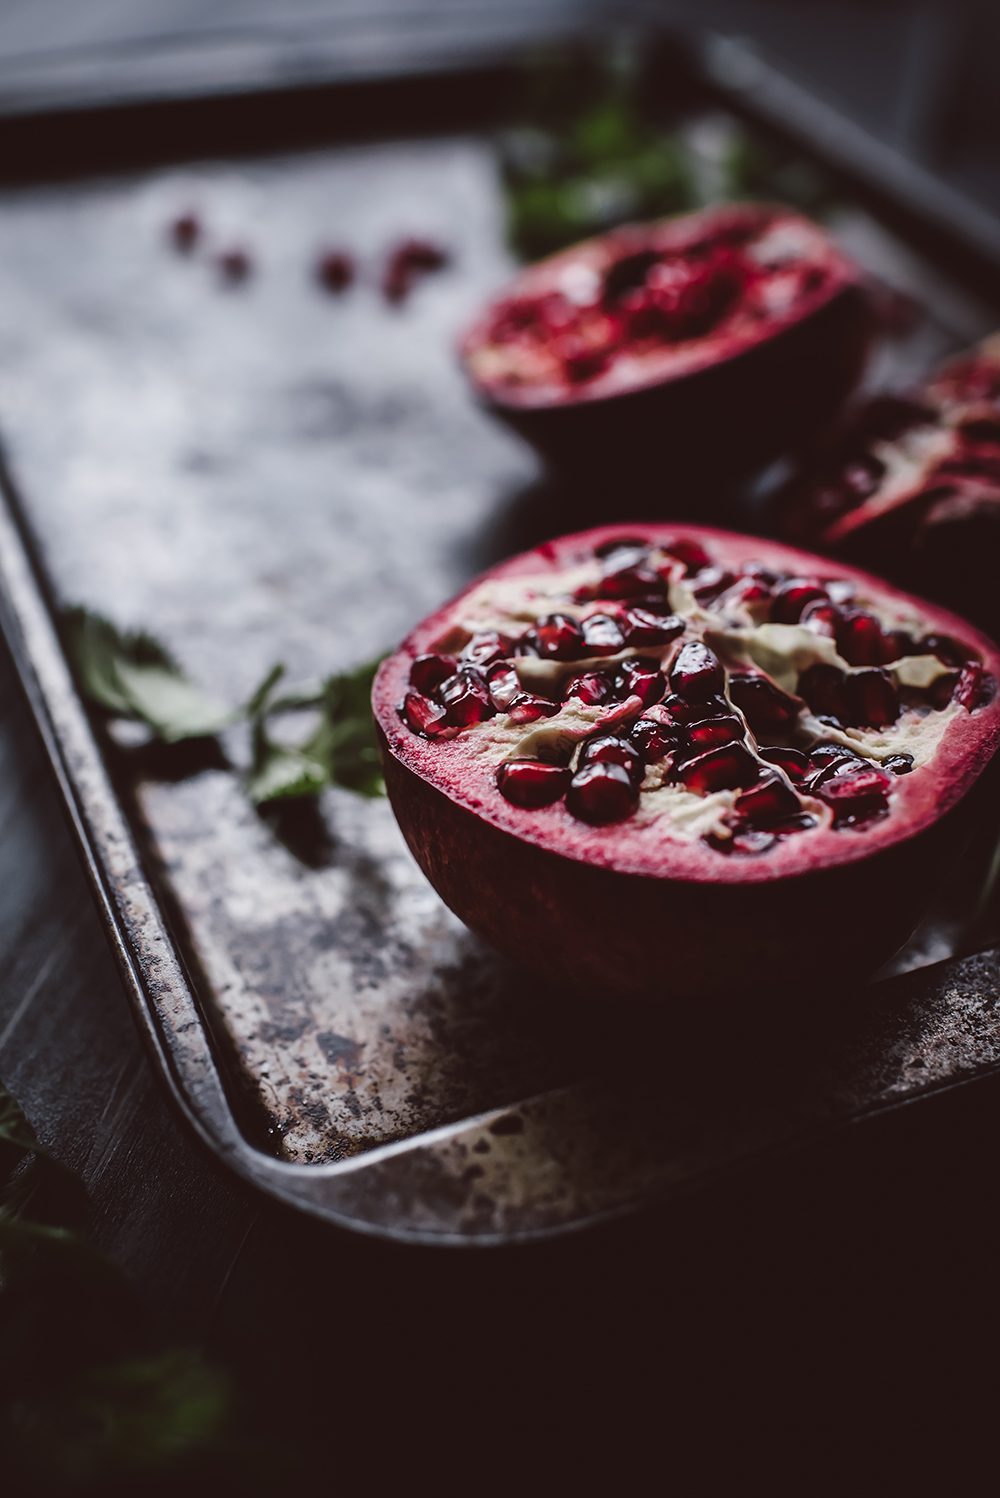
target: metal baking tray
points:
(261, 473)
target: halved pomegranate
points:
(759, 801)
(912, 488)
(694, 349)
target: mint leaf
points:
(131, 674)
(342, 750)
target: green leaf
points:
(342, 750)
(281, 772)
(133, 675)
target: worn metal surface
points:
(262, 472)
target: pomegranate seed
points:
(722, 769)
(423, 716)
(602, 793)
(234, 265)
(645, 628)
(622, 543)
(640, 678)
(607, 750)
(899, 764)
(822, 617)
(824, 689)
(862, 641)
(871, 699)
(526, 707)
(713, 731)
(593, 689)
(429, 671)
(408, 262)
(630, 580)
(710, 582)
(697, 673)
(529, 783)
(335, 270)
(767, 801)
(973, 688)
(486, 647)
(837, 762)
(185, 232)
(764, 705)
(504, 686)
(556, 637)
(653, 739)
(939, 693)
(791, 596)
(694, 557)
(948, 650)
(795, 764)
(466, 697)
(682, 711)
(602, 635)
(857, 797)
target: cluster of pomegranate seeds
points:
(334, 269)
(700, 726)
(643, 300)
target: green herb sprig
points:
(131, 675)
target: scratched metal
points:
(265, 472)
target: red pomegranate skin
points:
(616, 906)
(718, 397)
(911, 486)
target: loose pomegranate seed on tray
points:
(756, 801)
(721, 338)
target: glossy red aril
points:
(592, 688)
(527, 708)
(791, 597)
(466, 698)
(770, 799)
(861, 640)
(531, 784)
(742, 840)
(645, 628)
(601, 793)
(429, 671)
(712, 731)
(641, 678)
(871, 699)
(486, 648)
(627, 347)
(612, 751)
(722, 769)
(765, 706)
(556, 637)
(423, 716)
(602, 635)
(794, 763)
(697, 674)
(654, 737)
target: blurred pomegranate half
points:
(683, 354)
(912, 488)
(681, 761)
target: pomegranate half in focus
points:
(698, 348)
(681, 761)
(912, 488)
